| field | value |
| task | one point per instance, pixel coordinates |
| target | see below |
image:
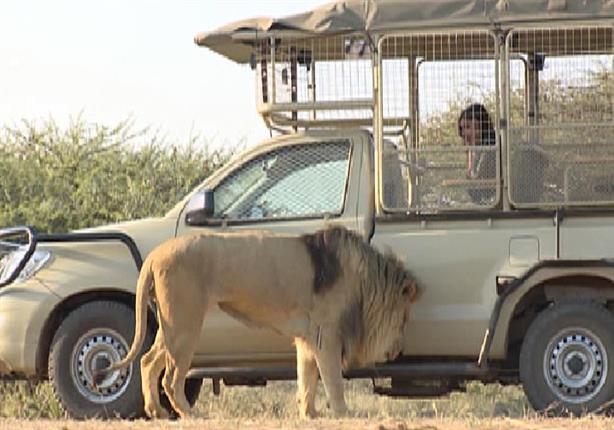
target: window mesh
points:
(324, 80)
(428, 81)
(295, 181)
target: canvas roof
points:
(235, 40)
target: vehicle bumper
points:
(24, 309)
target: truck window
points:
(297, 181)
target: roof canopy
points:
(235, 40)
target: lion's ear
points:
(410, 291)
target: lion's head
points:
(381, 290)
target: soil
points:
(596, 423)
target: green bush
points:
(89, 174)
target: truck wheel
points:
(90, 338)
(565, 365)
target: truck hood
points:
(147, 233)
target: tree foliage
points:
(563, 102)
(59, 179)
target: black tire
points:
(567, 359)
(90, 336)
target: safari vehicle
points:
(518, 285)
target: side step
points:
(416, 380)
(389, 370)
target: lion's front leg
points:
(328, 357)
(307, 375)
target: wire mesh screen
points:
(304, 180)
(440, 90)
(323, 80)
(561, 150)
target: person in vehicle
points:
(476, 129)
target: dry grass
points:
(277, 401)
(482, 407)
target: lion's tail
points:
(140, 314)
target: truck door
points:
(291, 185)
(456, 262)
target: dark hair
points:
(478, 112)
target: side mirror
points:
(200, 208)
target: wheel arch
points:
(68, 305)
(545, 283)
(569, 288)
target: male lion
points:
(343, 302)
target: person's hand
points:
(470, 157)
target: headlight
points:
(9, 263)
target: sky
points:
(111, 60)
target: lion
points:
(344, 303)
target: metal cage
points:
(428, 81)
(561, 152)
(414, 89)
(314, 82)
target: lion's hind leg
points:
(152, 365)
(181, 312)
(177, 367)
(307, 379)
(180, 343)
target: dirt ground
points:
(326, 424)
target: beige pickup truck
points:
(516, 263)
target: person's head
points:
(475, 127)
